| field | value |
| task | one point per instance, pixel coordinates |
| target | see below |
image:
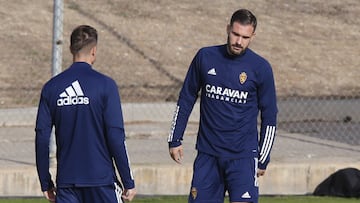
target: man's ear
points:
(252, 37)
(228, 28)
(93, 51)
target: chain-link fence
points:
(146, 46)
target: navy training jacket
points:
(233, 90)
(84, 107)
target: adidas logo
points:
(73, 95)
(212, 72)
(246, 195)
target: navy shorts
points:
(213, 176)
(99, 194)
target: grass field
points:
(182, 199)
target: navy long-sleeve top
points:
(84, 107)
(233, 90)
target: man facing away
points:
(84, 107)
(235, 84)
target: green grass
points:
(307, 199)
(183, 199)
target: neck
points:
(83, 59)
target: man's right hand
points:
(50, 195)
(177, 153)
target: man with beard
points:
(235, 84)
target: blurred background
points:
(147, 46)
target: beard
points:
(235, 49)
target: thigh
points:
(103, 194)
(68, 195)
(241, 180)
(207, 185)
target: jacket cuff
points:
(47, 187)
(174, 144)
(129, 185)
(262, 166)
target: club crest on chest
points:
(242, 77)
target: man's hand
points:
(50, 195)
(129, 194)
(260, 172)
(177, 153)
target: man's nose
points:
(239, 40)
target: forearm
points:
(42, 160)
(117, 145)
(267, 137)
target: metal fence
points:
(146, 46)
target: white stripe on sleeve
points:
(129, 163)
(173, 125)
(267, 144)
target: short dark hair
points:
(244, 17)
(82, 36)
